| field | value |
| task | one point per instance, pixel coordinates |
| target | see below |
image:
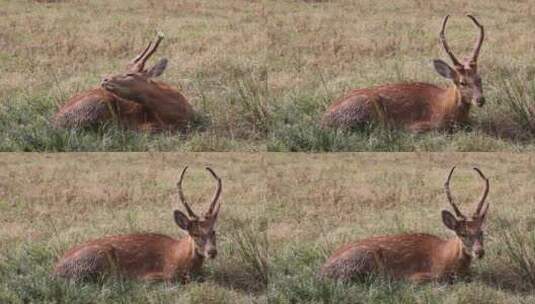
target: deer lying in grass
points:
(149, 256)
(416, 257)
(416, 107)
(133, 98)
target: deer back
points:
(97, 106)
(398, 256)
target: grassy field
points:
(319, 202)
(261, 73)
(49, 203)
(282, 216)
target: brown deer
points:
(416, 257)
(416, 107)
(149, 256)
(132, 98)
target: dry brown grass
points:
(76, 188)
(50, 51)
(261, 72)
(320, 50)
(379, 41)
(282, 215)
(49, 203)
(320, 202)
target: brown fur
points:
(145, 256)
(169, 110)
(416, 107)
(417, 257)
(96, 106)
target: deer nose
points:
(212, 253)
(480, 101)
(480, 252)
(104, 80)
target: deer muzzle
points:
(105, 83)
(478, 250)
(480, 101)
(212, 253)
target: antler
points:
(483, 196)
(445, 44)
(138, 63)
(181, 195)
(477, 47)
(450, 198)
(217, 193)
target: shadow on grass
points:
(502, 278)
(234, 276)
(505, 128)
(246, 262)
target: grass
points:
(260, 73)
(76, 197)
(282, 216)
(53, 50)
(319, 202)
(519, 253)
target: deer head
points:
(464, 75)
(468, 230)
(201, 230)
(136, 80)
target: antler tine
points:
(152, 48)
(484, 212)
(445, 44)
(450, 198)
(479, 42)
(484, 195)
(134, 61)
(216, 194)
(181, 195)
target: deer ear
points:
(158, 68)
(182, 220)
(449, 220)
(443, 69)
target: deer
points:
(149, 256)
(416, 107)
(133, 98)
(416, 257)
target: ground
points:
(261, 73)
(49, 203)
(323, 201)
(282, 215)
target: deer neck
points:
(456, 258)
(452, 97)
(195, 258)
(187, 258)
(454, 109)
(152, 95)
